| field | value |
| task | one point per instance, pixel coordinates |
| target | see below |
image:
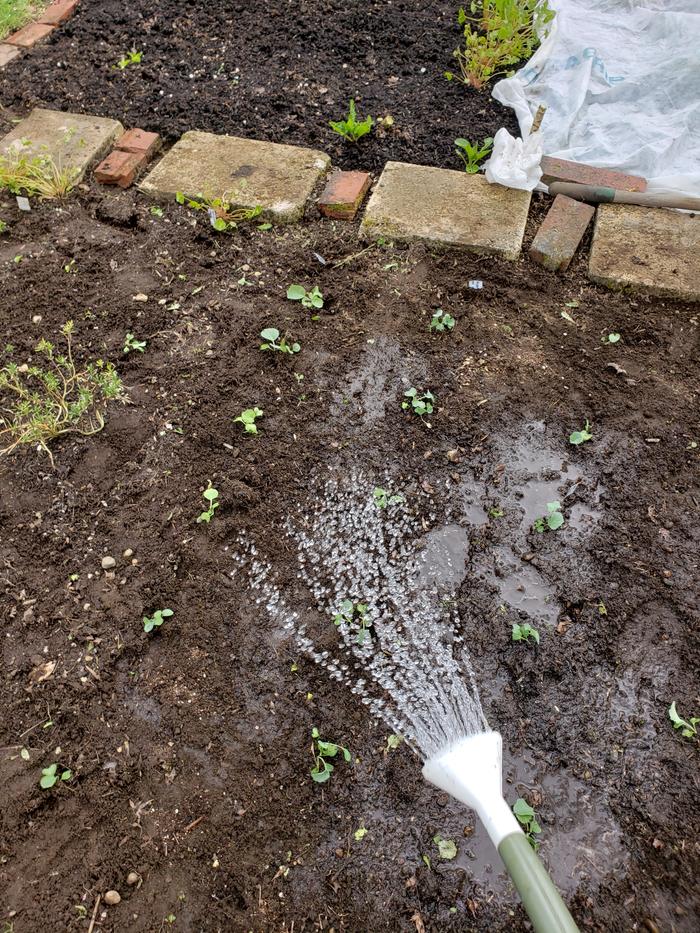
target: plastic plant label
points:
(476, 283)
(23, 203)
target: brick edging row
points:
(54, 15)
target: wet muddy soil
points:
(267, 70)
(190, 748)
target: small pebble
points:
(36, 319)
(128, 552)
(112, 898)
(108, 562)
(132, 878)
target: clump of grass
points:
(498, 34)
(35, 175)
(16, 13)
(38, 404)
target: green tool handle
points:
(541, 900)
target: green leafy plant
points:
(495, 512)
(419, 404)
(156, 210)
(611, 338)
(498, 34)
(473, 154)
(156, 620)
(223, 217)
(322, 752)
(14, 14)
(382, 499)
(212, 497)
(35, 175)
(351, 614)
(392, 742)
(132, 344)
(525, 815)
(351, 128)
(441, 321)
(39, 404)
(4, 227)
(271, 336)
(248, 418)
(131, 58)
(447, 850)
(50, 776)
(580, 437)
(688, 728)
(525, 632)
(552, 520)
(310, 299)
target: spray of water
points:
(404, 656)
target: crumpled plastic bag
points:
(515, 163)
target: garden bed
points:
(268, 72)
(190, 747)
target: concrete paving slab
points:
(249, 172)
(72, 140)
(446, 208)
(648, 249)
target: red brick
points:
(343, 194)
(139, 141)
(560, 233)
(7, 53)
(120, 168)
(30, 35)
(58, 12)
(561, 170)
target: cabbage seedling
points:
(131, 343)
(421, 404)
(50, 776)
(212, 497)
(248, 418)
(271, 337)
(580, 437)
(312, 299)
(382, 499)
(552, 520)
(322, 751)
(441, 321)
(354, 612)
(156, 620)
(689, 730)
(131, 58)
(611, 338)
(524, 632)
(446, 847)
(525, 815)
(472, 154)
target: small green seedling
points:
(354, 612)
(525, 815)
(441, 321)
(351, 128)
(223, 217)
(611, 338)
(688, 729)
(473, 154)
(50, 776)
(156, 620)
(312, 299)
(132, 344)
(495, 512)
(322, 751)
(447, 849)
(360, 834)
(552, 520)
(156, 210)
(212, 497)
(382, 499)
(272, 342)
(248, 418)
(71, 267)
(420, 404)
(392, 742)
(131, 58)
(4, 226)
(580, 437)
(525, 632)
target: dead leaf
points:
(418, 920)
(42, 672)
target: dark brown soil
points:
(190, 748)
(268, 70)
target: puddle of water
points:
(444, 557)
(522, 587)
(532, 497)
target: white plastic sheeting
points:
(621, 83)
